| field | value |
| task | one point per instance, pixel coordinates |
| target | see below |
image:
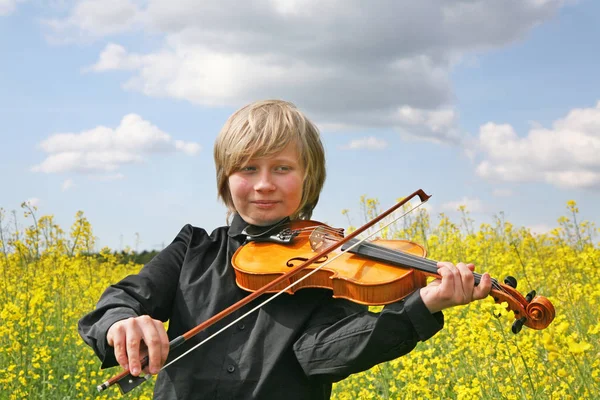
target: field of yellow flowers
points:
(50, 278)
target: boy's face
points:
(266, 190)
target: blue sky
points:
(112, 106)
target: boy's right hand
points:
(135, 338)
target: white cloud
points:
(387, 65)
(90, 19)
(434, 125)
(67, 184)
(7, 7)
(86, 162)
(187, 147)
(115, 56)
(539, 229)
(566, 155)
(103, 150)
(472, 205)
(33, 202)
(370, 143)
(436, 120)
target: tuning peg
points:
(518, 325)
(511, 281)
(530, 296)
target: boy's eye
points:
(248, 168)
(283, 168)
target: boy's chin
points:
(265, 221)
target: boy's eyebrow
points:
(276, 159)
(286, 159)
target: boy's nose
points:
(264, 182)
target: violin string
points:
(423, 263)
(414, 261)
(410, 260)
(407, 259)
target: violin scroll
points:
(535, 312)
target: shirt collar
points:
(238, 225)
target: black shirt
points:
(293, 348)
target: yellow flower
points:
(578, 348)
(562, 328)
(593, 330)
(562, 373)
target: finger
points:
(116, 339)
(133, 343)
(483, 287)
(482, 290)
(152, 339)
(467, 283)
(442, 264)
(164, 341)
(144, 356)
(447, 287)
(449, 269)
(458, 290)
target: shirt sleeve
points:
(344, 338)
(150, 292)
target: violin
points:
(301, 254)
(371, 273)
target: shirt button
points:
(230, 368)
(241, 326)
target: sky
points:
(112, 107)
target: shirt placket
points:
(231, 376)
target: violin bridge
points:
(320, 239)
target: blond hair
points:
(263, 129)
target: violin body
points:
(350, 276)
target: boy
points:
(270, 165)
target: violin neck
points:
(391, 256)
(395, 257)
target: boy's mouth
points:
(264, 203)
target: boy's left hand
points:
(456, 286)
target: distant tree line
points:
(143, 257)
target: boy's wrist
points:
(429, 300)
